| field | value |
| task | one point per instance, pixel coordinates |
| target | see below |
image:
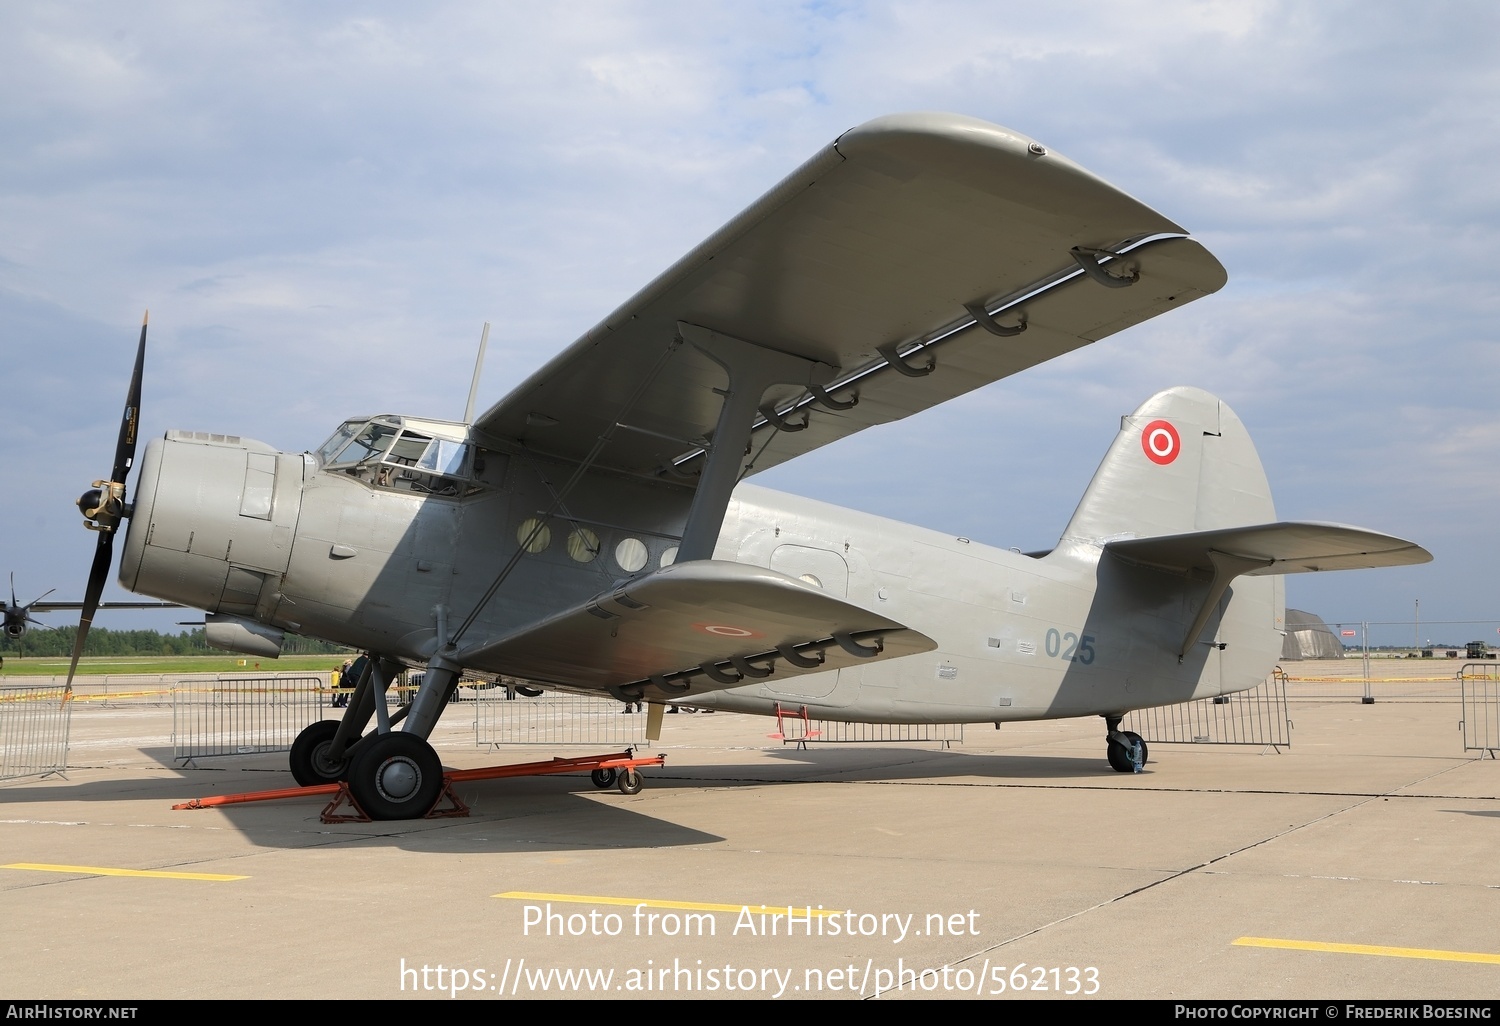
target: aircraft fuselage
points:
(271, 542)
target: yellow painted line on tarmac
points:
(690, 906)
(159, 874)
(1371, 949)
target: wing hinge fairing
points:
(743, 669)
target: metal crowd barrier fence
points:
(839, 732)
(503, 716)
(1372, 680)
(1479, 688)
(1257, 717)
(243, 715)
(1372, 690)
(34, 724)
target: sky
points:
(322, 204)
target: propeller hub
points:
(103, 505)
(89, 502)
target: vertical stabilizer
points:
(1181, 463)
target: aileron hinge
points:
(895, 360)
(1087, 258)
(985, 320)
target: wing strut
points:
(752, 369)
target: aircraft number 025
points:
(1075, 648)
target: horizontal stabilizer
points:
(1284, 548)
(1259, 549)
(694, 627)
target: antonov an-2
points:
(593, 531)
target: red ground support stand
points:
(605, 770)
(808, 734)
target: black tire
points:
(522, 689)
(1119, 754)
(630, 782)
(309, 759)
(603, 778)
(395, 776)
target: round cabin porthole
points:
(583, 545)
(631, 555)
(533, 535)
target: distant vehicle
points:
(1479, 650)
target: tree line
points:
(104, 642)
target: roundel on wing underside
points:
(1160, 442)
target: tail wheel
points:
(1122, 756)
(395, 776)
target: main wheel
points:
(395, 776)
(311, 762)
(603, 777)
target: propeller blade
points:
(100, 570)
(34, 601)
(130, 422)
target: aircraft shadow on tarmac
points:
(561, 812)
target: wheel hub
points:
(398, 779)
(325, 763)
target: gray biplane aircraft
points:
(591, 531)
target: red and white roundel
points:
(724, 630)
(1161, 442)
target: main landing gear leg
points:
(1126, 749)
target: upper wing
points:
(902, 234)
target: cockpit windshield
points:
(391, 452)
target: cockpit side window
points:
(382, 454)
(445, 457)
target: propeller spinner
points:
(104, 505)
